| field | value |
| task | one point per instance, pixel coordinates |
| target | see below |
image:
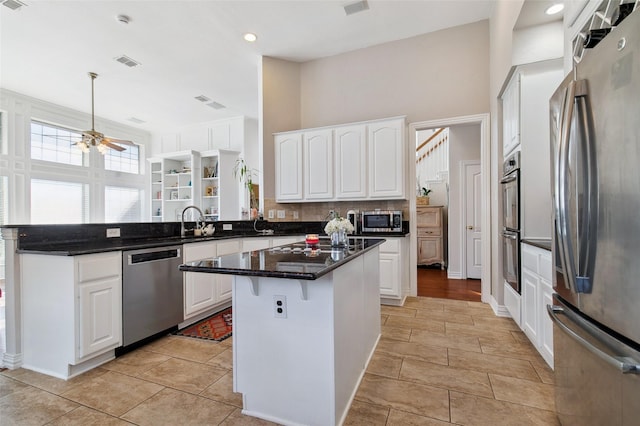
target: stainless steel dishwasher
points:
(152, 299)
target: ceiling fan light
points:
(102, 148)
(83, 146)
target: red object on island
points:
(312, 240)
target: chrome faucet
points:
(198, 224)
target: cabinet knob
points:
(470, 227)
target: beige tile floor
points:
(438, 362)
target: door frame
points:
(485, 167)
(463, 204)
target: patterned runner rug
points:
(216, 327)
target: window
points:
(127, 161)
(58, 202)
(51, 143)
(3, 148)
(122, 204)
(4, 207)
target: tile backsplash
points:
(320, 211)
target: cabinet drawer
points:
(428, 216)
(390, 246)
(530, 258)
(429, 232)
(96, 266)
(197, 251)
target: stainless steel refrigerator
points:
(595, 148)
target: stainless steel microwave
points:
(381, 221)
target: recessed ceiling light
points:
(250, 37)
(553, 9)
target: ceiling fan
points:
(94, 138)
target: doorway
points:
(464, 250)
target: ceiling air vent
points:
(127, 61)
(356, 7)
(136, 120)
(216, 105)
(13, 4)
(202, 98)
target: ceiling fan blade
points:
(118, 141)
(112, 145)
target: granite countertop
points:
(289, 261)
(543, 243)
(80, 239)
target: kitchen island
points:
(305, 325)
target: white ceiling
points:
(191, 48)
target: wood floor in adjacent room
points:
(434, 283)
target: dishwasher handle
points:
(151, 256)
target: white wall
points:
(464, 144)
(280, 111)
(538, 43)
(502, 21)
(435, 75)
(536, 88)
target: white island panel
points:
(305, 369)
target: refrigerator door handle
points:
(566, 251)
(588, 169)
(624, 362)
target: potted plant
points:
(423, 199)
(245, 175)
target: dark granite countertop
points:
(543, 243)
(288, 261)
(74, 240)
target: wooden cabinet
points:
(429, 223)
(288, 167)
(72, 311)
(536, 295)
(358, 161)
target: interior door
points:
(473, 220)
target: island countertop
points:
(294, 261)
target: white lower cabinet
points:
(393, 270)
(72, 311)
(206, 292)
(536, 295)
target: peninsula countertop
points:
(294, 261)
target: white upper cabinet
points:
(351, 162)
(386, 159)
(339, 161)
(288, 152)
(318, 164)
(511, 115)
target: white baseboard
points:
(454, 275)
(11, 361)
(499, 310)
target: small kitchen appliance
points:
(381, 221)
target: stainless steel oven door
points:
(511, 200)
(511, 259)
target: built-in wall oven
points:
(511, 221)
